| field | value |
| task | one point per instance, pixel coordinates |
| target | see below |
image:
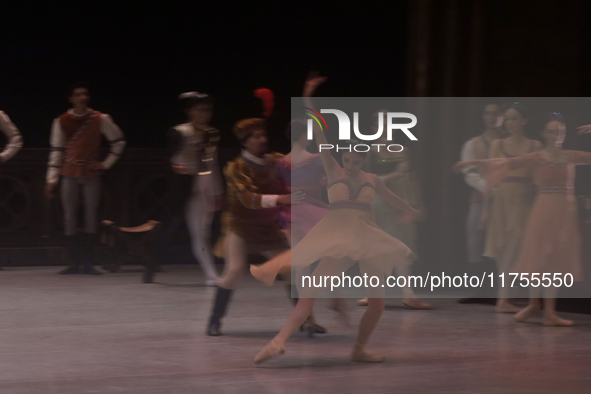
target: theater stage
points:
(112, 334)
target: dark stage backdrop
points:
(483, 48)
(139, 56)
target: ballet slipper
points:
(340, 307)
(265, 273)
(507, 308)
(555, 321)
(273, 349)
(361, 356)
(363, 302)
(526, 313)
(415, 303)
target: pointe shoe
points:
(415, 303)
(273, 349)
(265, 273)
(507, 308)
(526, 313)
(555, 321)
(363, 302)
(360, 356)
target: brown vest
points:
(82, 143)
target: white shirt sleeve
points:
(471, 175)
(57, 142)
(15, 140)
(269, 200)
(114, 135)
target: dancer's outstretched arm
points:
(392, 198)
(331, 166)
(513, 163)
(579, 157)
(496, 169)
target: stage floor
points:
(112, 334)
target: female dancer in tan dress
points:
(552, 242)
(512, 202)
(348, 233)
(394, 170)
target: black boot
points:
(74, 245)
(222, 298)
(148, 276)
(310, 326)
(90, 242)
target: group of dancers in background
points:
(527, 225)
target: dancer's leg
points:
(302, 310)
(285, 274)
(550, 316)
(297, 317)
(505, 264)
(408, 294)
(371, 317)
(69, 195)
(179, 192)
(367, 325)
(235, 252)
(91, 189)
(199, 215)
(534, 305)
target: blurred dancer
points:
(13, 138)
(394, 170)
(196, 189)
(75, 142)
(478, 148)
(303, 172)
(255, 194)
(552, 241)
(512, 201)
(347, 234)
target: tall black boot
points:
(90, 242)
(220, 305)
(74, 245)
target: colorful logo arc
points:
(315, 115)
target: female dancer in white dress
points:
(552, 240)
(513, 199)
(348, 233)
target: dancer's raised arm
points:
(331, 166)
